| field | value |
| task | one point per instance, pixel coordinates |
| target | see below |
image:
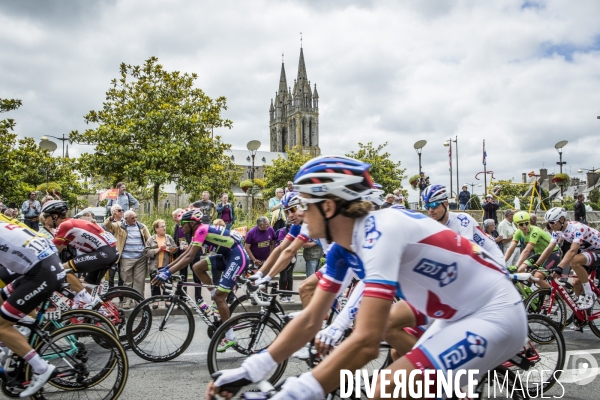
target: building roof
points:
(262, 158)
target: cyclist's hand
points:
(265, 279)
(303, 387)
(258, 263)
(162, 277)
(256, 276)
(228, 382)
(327, 338)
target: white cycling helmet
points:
(433, 193)
(343, 177)
(375, 197)
(555, 213)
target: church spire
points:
(301, 68)
(282, 80)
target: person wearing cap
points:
(490, 206)
(463, 198)
(389, 201)
(507, 229)
(423, 181)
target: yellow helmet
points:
(521, 216)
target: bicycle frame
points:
(581, 315)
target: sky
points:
(522, 75)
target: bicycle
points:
(159, 337)
(556, 302)
(87, 358)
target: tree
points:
(383, 170)
(283, 170)
(595, 195)
(153, 128)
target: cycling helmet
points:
(343, 177)
(290, 199)
(193, 215)
(434, 193)
(55, 207)
(376, 197)
(555, 213)
(179, 215)
(377, 185)
(521, 216)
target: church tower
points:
(294, 115)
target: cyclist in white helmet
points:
(399, 252)
(583, 255)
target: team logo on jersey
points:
(464, 351)
(372, 235)
(444, 274)
(103, 254)
(464, 220)
(578, 234)
(3, 248)
(478, 239)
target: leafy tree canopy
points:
(283, 170)
(383, 170)
(154, 128)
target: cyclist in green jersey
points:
(536, 240)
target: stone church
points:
(294, 115)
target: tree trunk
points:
(155, 196)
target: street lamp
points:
(64, 139)
(252, 147)
(46, 144)
(558, 146)
(448, 143)
(419, 148)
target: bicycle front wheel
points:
(251, 336)
(160, 335)
(117, 308)
(88, 359)
(540, 302)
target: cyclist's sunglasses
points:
(552, 222)
(293, 209)
(433, 204)
(523, 223)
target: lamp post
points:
(419, 148)
(252, 147)
(46, 144)
(63, 139)
(559, 146)
(448, 143)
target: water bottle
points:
(204, 308)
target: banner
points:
(242, 230)
(484, 153)
(110, 194)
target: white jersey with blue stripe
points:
(467, 226)
(439, 272)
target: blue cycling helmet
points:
(433, 193)
(343, 177)
(290, 199)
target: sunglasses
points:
(523, 224)
(434, 204)
(119, 210)
(551, 223)
(304, 202)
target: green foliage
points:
(153, 128)
(148, 220)
(568, 203)
(412, 181)
(247, 183)
(561, 179)
(283, 170)
(383, 170)
(505, 192)
(475, 203)
(595, 196)
(595, 206)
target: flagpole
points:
(484, 172)
(450, 162)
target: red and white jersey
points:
(440, 273)
(21, 248)
(576, 232)
(83, 235)
(467, 226)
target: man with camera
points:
(423, 181)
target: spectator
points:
(158, 251)
(533, 219)
(31, 210)
(225, 211)
(278, 218)
(312, 253)
(490, 206)
(2, 207)
(389, 201)
(286, 277)
(219, 222)
(11, 213)
(289, 187)
(260, 241)
(423, 181)
(206, 206)
(46, 199)
(507, 229)
(116, 218)
(124, 199)
(463, 198)
(399, 197)
(131, 237)
(489, 227)
(580, 209)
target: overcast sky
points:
(522, 75)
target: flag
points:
(111, 194)
(450, 155)
(484, 153)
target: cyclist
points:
(394, 251)
(35, 260)
(96, 247)
(537, 240)
(583, 255)
(230, 257)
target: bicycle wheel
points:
(113, 309)
(87, 359)
(251, 335)
(238, 303)
(77, 317)
(595, 324)
(539, 303)
(160, 335)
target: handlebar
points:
(523, 276)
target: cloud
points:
(520, 74)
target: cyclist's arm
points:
(525, 253)
(510, 250)
(272, 259)
(544, 256)
(286, 257)
(185, 259)
(566, 261)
